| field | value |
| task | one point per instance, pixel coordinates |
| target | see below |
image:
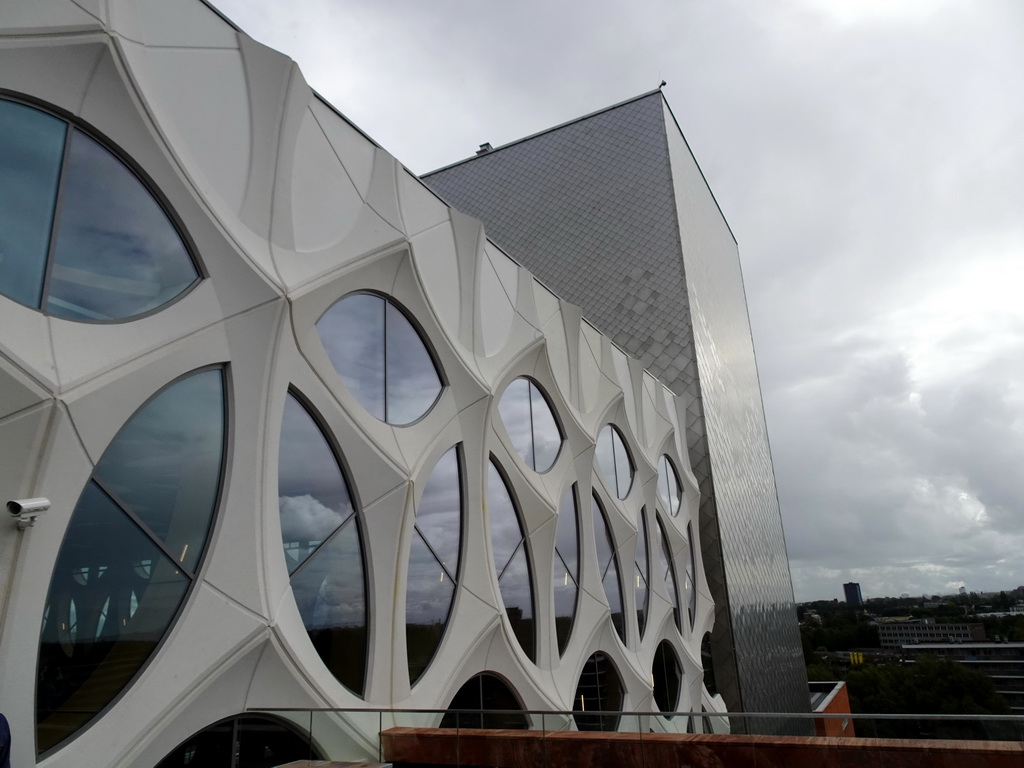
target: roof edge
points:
(700, 170)
(546, 130)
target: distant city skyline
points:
(840, 597)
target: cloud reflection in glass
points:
(322, 546)
(511, 560)
(433, 563)
(80, 233)
(667, 573)
(614, 460)
(608, 567)
(530, 423)
(566, 568)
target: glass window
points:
(667, 675)
(667, 572)
(31, 148)
(690, 583)
(130, 553)
(566, 568)
(165, 464)
(381, 357)
(708, 664)
(530, 423)
(642, 574)
(69, 204)
(323, 546)
(511, 559)
(485, 701)
(249, 741)
(608, 567)
(599, 695)
(433, 563)
(313, 496)
(614, 460)
(668, 486)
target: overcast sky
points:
(868, 156)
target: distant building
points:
(1003, 662)
(831, 698)
(853, 595)
(897, 634)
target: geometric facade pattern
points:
(303, 582)
(612, 212)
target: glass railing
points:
(354, 734)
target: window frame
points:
(287, 725)
(666, 550)
(597, 657)
(463, 488)
(480, 677)
(528, 549)
(691, 565)
(556, 557)
(423, 336)
(614, 546)
(74, 122)
(194, 576)
(614, 487)
(675, 505)
(643, 612)
(357, 517)
(668, 714)
(532, 382)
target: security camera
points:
(26, 511)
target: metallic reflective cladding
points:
(613, 213)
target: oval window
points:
(81, 235)
(485, 701)
(708, 665)
(642, 573)
(667, 675)
(599, 695)
(690, 582)
(511, 560)
(669, 492)
(530, 423)
(566, 567)
(608, 567)
(433, 563)
(323, 547)
(380, 357)
(131, 552)
(668, 575)
(614, 460)
(244, 740)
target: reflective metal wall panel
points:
(766, 638)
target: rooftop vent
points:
(484, 148)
